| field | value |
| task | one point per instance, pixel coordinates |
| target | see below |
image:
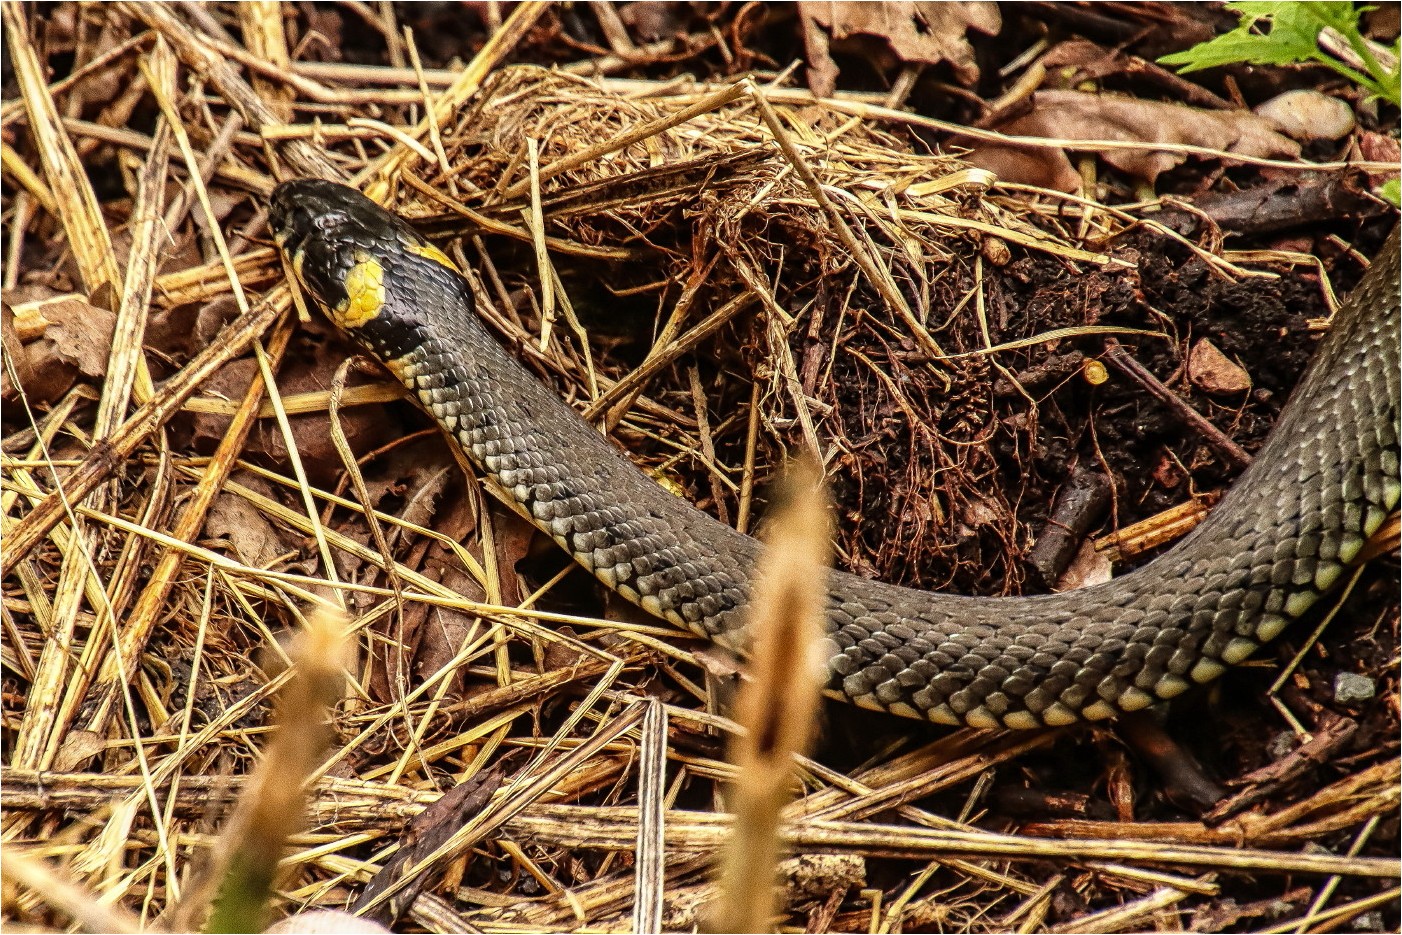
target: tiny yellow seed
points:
(1094, 372)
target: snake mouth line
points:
(1320, 486)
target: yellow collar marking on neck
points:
(365, 292)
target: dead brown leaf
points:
(562, 655)
(14, 352)
(718, 661)
(440, 632)
(77, 342)
(1379, 147)
(81, 335)
(516, 540)
(908, 32)
(426, 833)
(417, 475)
(1168, 473)
(1090, 566)
(366, 427)
(1075, 115)
(977, 513)
(182, 331)
(79, 746)
(653, 21)
(254, 540)
(1077, 60)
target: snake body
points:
(1322, 484)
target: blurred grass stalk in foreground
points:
(273, 806)
(778, 704)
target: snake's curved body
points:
(1322, 484)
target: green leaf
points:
(1344, 17)
(1287, 33)
(1391, 192)
(1235, 47)
(1288, 41)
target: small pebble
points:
(325, 922)
(1215, 372)
(1309, 115)
(1351, 689)
(1369, 922)
(996, 251)
(1282, 744)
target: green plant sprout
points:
(1291, 36)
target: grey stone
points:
(1351, 688)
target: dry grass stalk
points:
(71, 191)
(652, 805)
(1139, 915)
(55, 890)
(203, 59)
(513, 800)
(237, 889)
(591, 155)
(264, 34)
(81, 216)
(127, 377)
(1332, 919)
(879, 276)
(98, 466)
(467, 83)
(777, 706)
(119, 666)
(878, 113)
(358, 804)
(613, 829)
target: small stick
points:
(1185, 782)
(747, 474)
(1125, 362)
(1282, 204)
(1165, 526)
(1079, 506)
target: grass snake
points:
(1283, 535)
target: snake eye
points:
(308, 208)
(292, 217)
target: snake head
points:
(371, 273)
(337, 243)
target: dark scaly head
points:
(369, 271)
